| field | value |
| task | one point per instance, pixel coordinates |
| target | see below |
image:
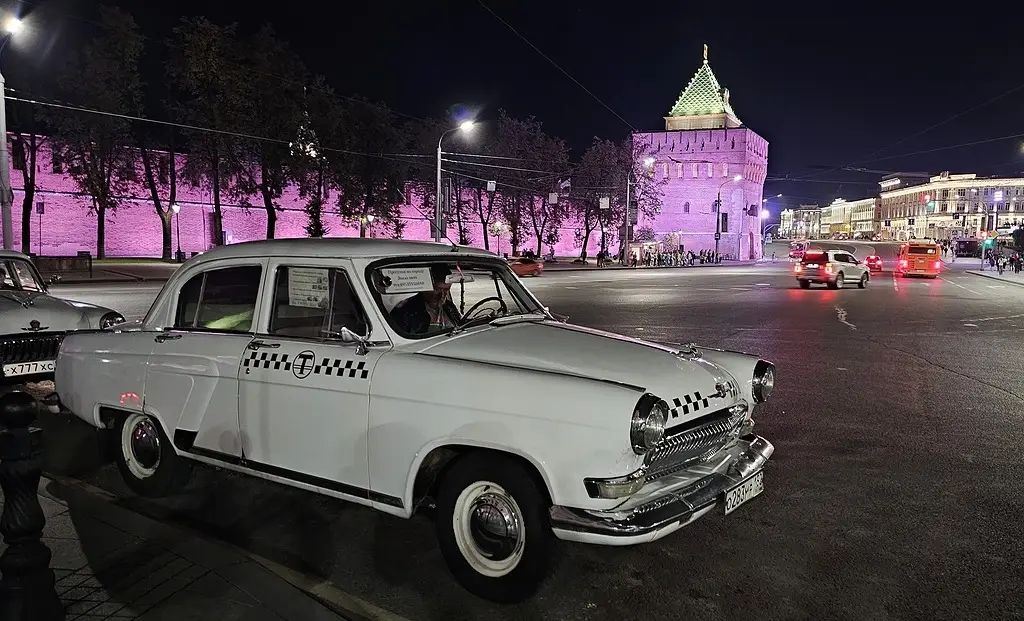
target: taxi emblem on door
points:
(303, 364)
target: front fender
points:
(737, 364)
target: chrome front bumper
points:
(672, 509)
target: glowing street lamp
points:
(465, 127)
(175, 207)
(12, 25)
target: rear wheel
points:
(837, 283)
(146, 459)
(805, 284)
(493, 528)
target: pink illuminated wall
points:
(698, 164)
(66, 225)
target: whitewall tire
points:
(493, 528)
(145, 457)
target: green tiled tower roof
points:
(703, 95)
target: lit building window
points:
(725, 169)
(694, 170)
(711, 170)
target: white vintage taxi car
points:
(396, 374)
(33, 322)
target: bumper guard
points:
(679, 506)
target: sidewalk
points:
(113, 564)
(569, 266)
(1007, 276)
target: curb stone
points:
(991, 277)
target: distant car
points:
(876, 237)
(526, 267)
(33, 322)
(831, 267)
(874, 263)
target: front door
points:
(303, 391)
(192, 375)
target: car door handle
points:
(160, 338)
(262, 344)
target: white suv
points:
(834, 268)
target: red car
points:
(874, 263)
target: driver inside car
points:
(428, 311)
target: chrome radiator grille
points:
(32, 348)
(701, 439)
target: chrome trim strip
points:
(672, 508)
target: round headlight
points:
(648, 426)
(111, 319)
(764, 380)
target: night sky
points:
(830, 91)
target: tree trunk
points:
(29, 182)
(586, 242)
(268, 204)
(218, 224)
(26, 218)
(165, 230)
(101, 229)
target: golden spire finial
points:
(705, 52)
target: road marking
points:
(971, 325)
(996, 286)
(995, 318)
(841, 314)
(572, 287)
(762, 284)
(895, 283)
(956, 284)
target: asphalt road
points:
(894, 492)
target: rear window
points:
(815, 257)
(922, 250)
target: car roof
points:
(12, 254)
(340, 247)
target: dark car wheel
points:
(146, 459)
(493, 528)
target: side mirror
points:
(348, 336)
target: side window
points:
(315, 302)
(223, 300)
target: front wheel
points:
(493, 529)
(146, 459)
(863, 281)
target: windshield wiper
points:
(505, 320)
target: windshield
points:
(922, 250)
(427, 297)
(19, 275)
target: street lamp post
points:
(718, 210)
(369, 225)
(466, 126)
(11, 27)
(177, 229)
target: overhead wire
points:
(556, 65)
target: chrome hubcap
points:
(489, 529)
(144, 443)
(494, 526)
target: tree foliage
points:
(98, 149)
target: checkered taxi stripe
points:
(693, 402)
(336, 367)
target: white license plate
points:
(744, 492)
(812, 265)
(28, 368)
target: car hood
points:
(555, 347)
(18, 309)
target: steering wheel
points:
(503, 308)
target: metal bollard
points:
(27, 590)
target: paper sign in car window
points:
(308, 287)
(407, 279)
